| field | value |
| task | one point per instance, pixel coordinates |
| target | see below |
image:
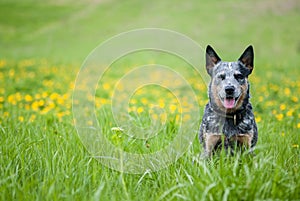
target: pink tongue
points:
(229, 103)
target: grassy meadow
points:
(42, 47)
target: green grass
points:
(42, 46)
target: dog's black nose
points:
(229, 90)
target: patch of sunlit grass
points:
(36, 104)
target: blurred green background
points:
(65, 30)
(43, 43)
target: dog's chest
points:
(229, 126)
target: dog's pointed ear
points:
(247, 58)
(211, 59)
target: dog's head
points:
(229, 87)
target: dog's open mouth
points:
(229, 102)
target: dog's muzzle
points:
(229, 101)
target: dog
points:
(228, 120)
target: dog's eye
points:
(222, 76)
(238, 76)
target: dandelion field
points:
(43, 158)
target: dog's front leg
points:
(243, 140)
(210, 142)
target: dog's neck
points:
(237, 115)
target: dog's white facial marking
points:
(229, 65)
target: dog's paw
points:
(204, 156)
(251, 153)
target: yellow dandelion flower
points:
(161, 104)
(139, 92)
(172, 108)
(51, 105)
(48, 83)
(1, 99)
(90, 97)
(27, 107)
(287, 91)
(274, 87)
(120, 87)
(106, 86)
(35, 105)
(163, 117)
(133, 101)
(45, 110)
(298, 125)
(72, 85)
(258, 119)
(186, 109)
(60, 101)
(270, 103)
(140, 110)
(68, 105)
(295, 99)
(37, 96)
(154, 116)
(263, 88)
(32, 118)
(18, 96)
(60, 114)
(54, 69)
(12, 100)
(132, 109)
(2, 63)
(28, 98)
(21, 118)
(290, 113)
(201, 87)
(21, 105)
(282, 106)
(185, 103)
(44, 94)
(54, 96)
(186, 117)
(26, 63)
(65, 96)
(41, 102)
(260, 99)
(295, 145)
(144, 101)
(102, 101)
(98, 104)
(11, 72)
(5, 114)
(67, 112)
(279, 117)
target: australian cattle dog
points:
(228, 119)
